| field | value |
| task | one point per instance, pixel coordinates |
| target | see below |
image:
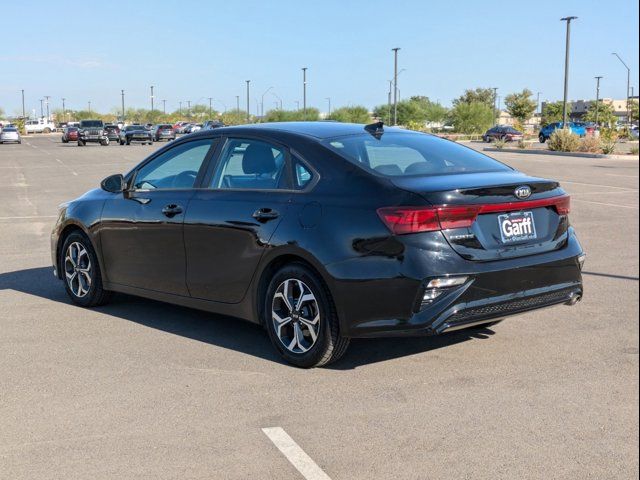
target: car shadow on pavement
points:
(223, 331)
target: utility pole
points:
(63, 109)
(597, 97)
(41, 108)
(389, 99)
(23, 112)
(89, 103)
(248, 105)
(628, 84)
(495, 105)
(164, 107)
(151, 98)
(210, 107)
(262, 102)
(122, 95)
(46, 102)
(188, 108)
(304, 93)
(566, 69)
(538, 104)
(329, 100)
(180, 108)
(395, 85)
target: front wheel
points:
(104, 142)
(81, 272)
(542, 139)
(301, 319)
(81, 143)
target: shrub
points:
(591, 145)
(499, 144)
(634, 150)
(608, 137)
(564, 140)
(522, 144)
(608, 147)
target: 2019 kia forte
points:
(323, 232)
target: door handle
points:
(265, 214)
(172, 210)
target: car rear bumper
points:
(491, 291)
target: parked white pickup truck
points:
(41, 125)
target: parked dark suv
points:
(163, 131)
(92, 131)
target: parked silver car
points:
(10, 134)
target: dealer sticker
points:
(517, 227)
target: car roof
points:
(319, 129)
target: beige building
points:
(578, 108)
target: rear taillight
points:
(403, 220)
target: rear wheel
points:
(81, 272)
(81, 143)
(301, 319)
(541, 138)
(46, 130)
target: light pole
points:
(188, 108)
(63, 109)
(304, 93)
(46, 102)
(328, 99)
(180, 107)
(496, 114)
(23, 112)
(41, 108)
(89, 104)
(566, 69)
(122, 96)
(238, 103)
(164, 107)
(210, 106)
(262, 101)
(279, 100)
(395, 85)
(597, 97)
(628, 83)
(151, 98)
(248, 102)
(538, 103)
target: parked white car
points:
(41, 125)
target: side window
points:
(176, 168)
(302, 175)
(250, 165)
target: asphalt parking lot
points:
(141, 389)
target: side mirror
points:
(113, 184)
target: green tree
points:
(234, 117)
(1, 112)
(474, 117)
(312, 114)
(606, 115)
(634, 110)
(551, 113)
(415, 110)
(520, 105)
(478, 95)
(356, 114)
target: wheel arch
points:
(67, 230)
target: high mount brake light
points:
(403, 220)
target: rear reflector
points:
(402, 220)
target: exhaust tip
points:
(573, 299)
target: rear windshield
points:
(91, 123)
(9, 129)
(406, 154)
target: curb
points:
(561, 154)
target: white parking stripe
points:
(597, 185)
(28, 217)
(605, 204)
(298, 458)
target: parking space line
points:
(67, 167)
(28, 217)
(619, 175)
(296, 456)
(605, 204)
(597, 185)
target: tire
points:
(46, 130)
(105, 142)
(314, 317)
(128, 142)
(81, 143)
(541, 138)
(65, 141)
(121, 142)
(81, 272)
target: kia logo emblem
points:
(522, 192)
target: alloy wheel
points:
(78, 269)
(295, 315)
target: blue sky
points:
(197, 49)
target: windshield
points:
(134, 127)
(91, 123)
(405, 154)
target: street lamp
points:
(597, 97)
(122, 95)
(23, 112)
(566, 69)
(41, 108)
(63, 109)
(262, 101)
(279, 100)
(328, 99)
(248, 102)
(89, 104)
(628, 83)
(151, 98)
(304, 93)
(495, 105)
(46, 102)
(395, 85)
(538, 103)
(164, 107)
(210, 106)
(238, 103)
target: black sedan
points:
(322, 232)
(135, 134)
